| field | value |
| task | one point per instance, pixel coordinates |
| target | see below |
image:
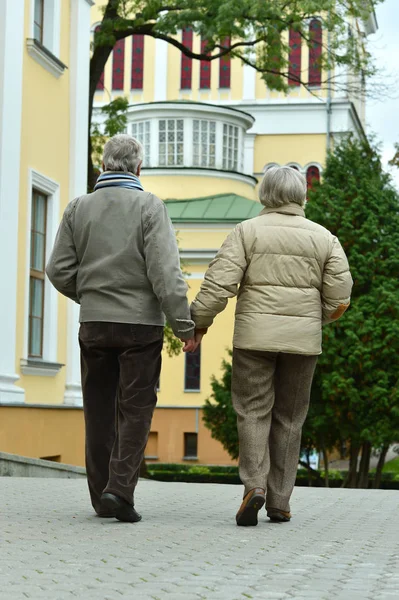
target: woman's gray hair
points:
(282, 185)
(123, 153)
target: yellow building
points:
(44, 81)
(209, 131)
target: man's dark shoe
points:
(252, 503)
(279, 516)
(120, 509)
(104, 514)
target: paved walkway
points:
(341, 545)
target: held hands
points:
(192, 344)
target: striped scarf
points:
(118, 179)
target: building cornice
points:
(198, 172)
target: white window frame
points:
(146, 123)
(207, 131)
(49, 57)
(188, 143)
(47, 365)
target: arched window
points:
(100, 84)
(312, 175)
(315, 48)
(118, 65)
(295, 43)
(225, 67)
(205, 68)
(137, 62)
(294, 167)
(186, 62)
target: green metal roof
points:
(221, 208)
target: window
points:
(315, 36)
(100, 84)
(204, 138)
(141, 131)
(224, 67)
(186, 62)
(193, 371)
(312, 175)
(151, 450)
(205, 68)
(118, 65)
(137, 62)
(38, 21)
(295, 43)
(190, 445)
(171, 138)
(37, 274)
(230, 147)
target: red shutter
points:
(294, 72)
(137, 62)
(100, 84)
(224, 67)
(205, 69)
(315, 48)
(186, 62)
(118, 65)
(312, 175)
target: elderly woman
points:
(291, 277)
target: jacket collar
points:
(287, 209)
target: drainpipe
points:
(328, 105)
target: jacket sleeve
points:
(337, 284)
(62, 267)
(164, 272)
(221, 282)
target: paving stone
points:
(340, 545)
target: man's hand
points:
(189, 345)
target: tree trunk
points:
(325, 460)
(312, 473)
(350, 479)
(363, 475)
(380, 466)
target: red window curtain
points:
(224, 67)
(118, 65)
(312, 175)
(100, 84)
(137, 62)
(294, 70)
(205, 69)
(186, 62)
(315, 36)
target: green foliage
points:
(218, 413)
(250, 24)
(356, 382)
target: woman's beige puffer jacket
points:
(291, 276)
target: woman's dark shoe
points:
(252, 503)
(119, 508)
(280, 516)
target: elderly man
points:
(291, 276)
(116, 255)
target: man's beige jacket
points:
(290, 275)
(116, 255)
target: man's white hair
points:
(282, 185)
(123, 153)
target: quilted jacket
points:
(291, 276)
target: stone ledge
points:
(14, 465)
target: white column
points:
(79, 63)
(249, 147)
(11, 63)
(161, 71)
(249, 84)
